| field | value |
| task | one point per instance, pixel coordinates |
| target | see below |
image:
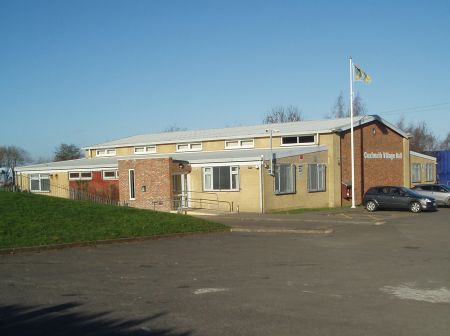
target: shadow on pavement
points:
(60, 319)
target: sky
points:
(90, 71)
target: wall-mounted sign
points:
(383, 155)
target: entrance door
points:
(180, 190)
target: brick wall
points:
(156, 175)
(372, 138)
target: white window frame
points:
(209, 171)
(190, 146)
(79, 178)
(299, 143)
(40, 177)
(132, 190)
(150, 149)
(106, 152)
(116, 174)
(416, 171)
(429, 172)
(239, 144)
(277, 179)
(321, 182)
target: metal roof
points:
(241, 155)
(241, 132)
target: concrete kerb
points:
(298, 231)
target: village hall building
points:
(258, 168)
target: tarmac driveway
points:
(364, 279)
(320, 222)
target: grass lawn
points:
(32, 220)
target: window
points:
(284, 178)
(189, 147)
(316, 177)
(221, 178)
(243, 143)
(106, 152)
(80, 176)
(39, 183)
(429, 172)
(415, 172)
(144, 149)
(131, 184)
(110, 174)
(309, 139)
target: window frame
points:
(278, 177)
(298, 143)
(40, 177)
(131, 186)
(321, 183)
(105, 152)
(146, 149)
(116, 174)
(239, 144)
(80, 178)
(418, 168)
(190, 145)
(209, 171)
(429, 172)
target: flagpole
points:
(351, 133)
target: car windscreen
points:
(445, 187)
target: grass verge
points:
(33, 220)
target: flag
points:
(361, 75)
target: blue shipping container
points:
(443, 167)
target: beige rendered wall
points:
(59, 184)
(422, 161)
(333, 143)
(246, 199)
(302, 198)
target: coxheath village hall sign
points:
(383, 155)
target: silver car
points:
(439, 192)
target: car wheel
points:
(371, 206)
(415, 207)
(448, 202)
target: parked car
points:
(438, 191)
(393, 197)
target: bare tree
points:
(11, 157)
(359, 108)
(281, 114)
(338, 110)
(175, 128)
(422, 138)
(445, 144)
(66, 152)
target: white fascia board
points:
(424, 156)
(33, 170)
(369, 118)
(225, 163)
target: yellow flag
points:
(361, 75)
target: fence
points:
(180, 202)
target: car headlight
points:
(424, 201)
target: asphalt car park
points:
(382, 273)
